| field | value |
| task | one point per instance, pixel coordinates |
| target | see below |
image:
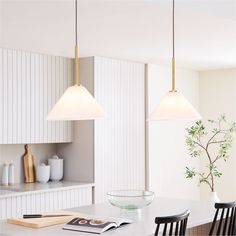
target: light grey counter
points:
(22, 189)
(201, 213)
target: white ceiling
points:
(138, 30)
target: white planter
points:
(42, 173)
(214, 197)
(56, 173)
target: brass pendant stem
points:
(76, 67)
(173, 74)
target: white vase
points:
(214, 197)
(56, 173)
(42, 173)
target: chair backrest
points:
(224, 222)
(173, 225)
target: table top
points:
(202, 212)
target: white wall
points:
(217, 96)
(1, 22)
(168, 154)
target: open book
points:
(97, 226)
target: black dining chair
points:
(173, 225)
(224, 222)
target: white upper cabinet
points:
(30, 84)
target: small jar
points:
(42, 173)
(56, 165)
(5, 173)
(11, 174)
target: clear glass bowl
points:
(130, 199)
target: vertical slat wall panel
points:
(30, 85)
(15, 95)
(1, 91)
(120, 137)
(16, 206)
(5, 96)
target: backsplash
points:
(13, 153)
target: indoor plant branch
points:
(199, 143)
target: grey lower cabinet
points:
(30, 84)
(110, 152)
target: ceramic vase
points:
(214, 197)
(56, 169)
(42, 173)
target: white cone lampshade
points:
(76, 104)
(174, 106)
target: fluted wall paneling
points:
(30, 84)
(120, 137)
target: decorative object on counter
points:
(56, 165)
(76, 103)
(28, 163)
(11, 174)
(42, 173)
(213, 145)
(130, 199)
(173, 105)
(214, 197)
(5, 170)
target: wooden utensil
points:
(29, 169)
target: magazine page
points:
(89, 225)
(118, 221)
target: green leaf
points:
(202, 141)
(190, 173)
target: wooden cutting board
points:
(45, 221)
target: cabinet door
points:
(30, 85)
(46, 201)
(119, 86)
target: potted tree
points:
(213, 145)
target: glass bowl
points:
(130, 199)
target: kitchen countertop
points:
(23, 188)
(201, 213)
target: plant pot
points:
(214, 197)
(42, 173)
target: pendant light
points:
(174, 106)
(76, 103)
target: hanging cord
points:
(173, 46)
(173, 28)
(76, 61)
(76, 29)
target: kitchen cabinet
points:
(56, 196)
(110, 152)
(30, 84)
